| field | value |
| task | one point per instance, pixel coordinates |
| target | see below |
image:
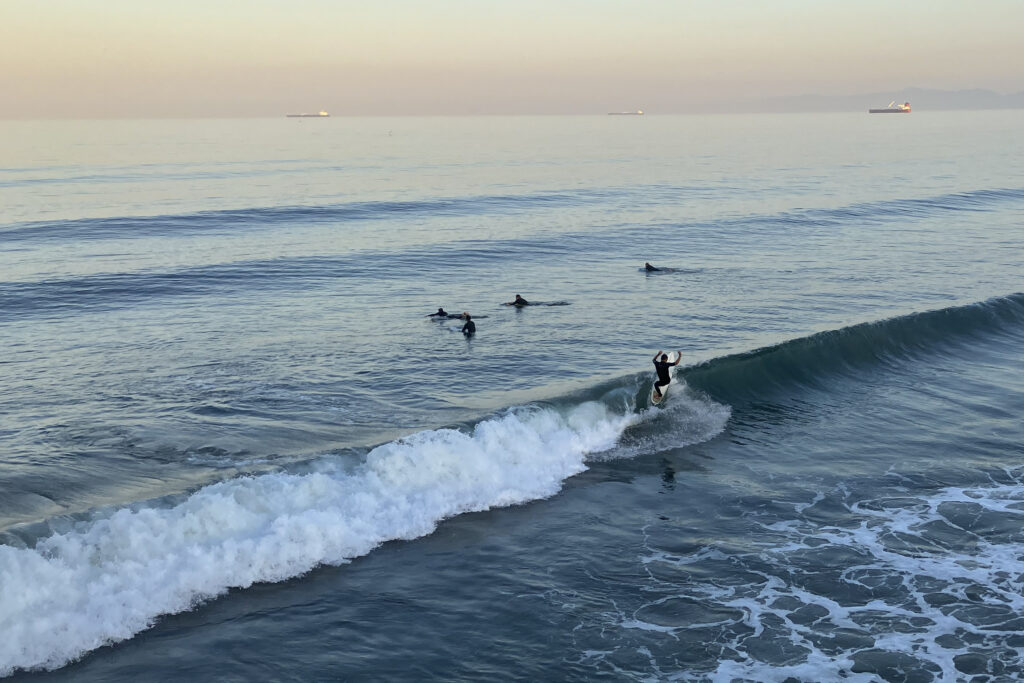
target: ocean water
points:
(234, 447)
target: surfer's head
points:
(467, 316)
(664, 357)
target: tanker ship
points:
(893, 108)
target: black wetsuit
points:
(520, 302)
(469, 328)
(650, 268)
(664, 378)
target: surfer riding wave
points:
(662, 367)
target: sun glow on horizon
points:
(263, 57)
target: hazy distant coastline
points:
(922, 99)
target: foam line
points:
(112, 577)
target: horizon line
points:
(490, 114)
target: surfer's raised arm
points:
(656, 355)
(661, 365)
(679, 357)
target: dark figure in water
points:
(441, 313)
(519, 301)
(469, 329)
(650, 269)
(662, 367)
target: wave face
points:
(847, 353)
(108, 578)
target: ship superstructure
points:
(893, 108)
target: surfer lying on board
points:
(662, 367)
(650, 269)
(441, 313)
(519, 301)
(469, 328)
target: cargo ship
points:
(319, 115)
(893, 108)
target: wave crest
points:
(112, 576)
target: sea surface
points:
(234, 446)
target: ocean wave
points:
(849, 351)
(902, 209)
(116, 290)
(231, 220)
(249, 218)
(107, 291)
(72, 589)
(111, 576)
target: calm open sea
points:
(233, 447)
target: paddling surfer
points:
(519, 301)
(662, 366)
(441, 313)
(650, 269)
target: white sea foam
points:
(687, 418)
(918, 599)
(112, 577)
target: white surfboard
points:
(656, 400)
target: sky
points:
(143, 58)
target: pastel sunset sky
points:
(100, 58)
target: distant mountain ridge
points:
(921, 99)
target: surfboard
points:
(657, 400)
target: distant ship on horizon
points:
(893, 108)
(319, 115)
(638, 112)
